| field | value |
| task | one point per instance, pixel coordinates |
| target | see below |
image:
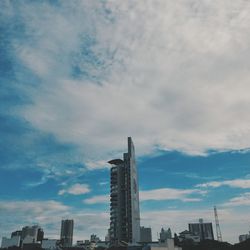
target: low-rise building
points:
(167, 245)
(146, 234)
(13, 241)
(165, 234)
(186, 235)
(50, 244)
(244, 237)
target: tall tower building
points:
(67, 232)
(124, 199)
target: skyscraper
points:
(204, 230)
(67, 232)
(124, 199)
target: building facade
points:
(13, 241)
(67, 227)
(146, 235)
(165, 234)
(186, 235)
(244, 237)
(124, 199)
(167, 245)
(31, 234)
(201, 229)
(50, 244)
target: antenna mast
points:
(219, 237)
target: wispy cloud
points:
(170, 194)
(103, 183)
(184, 195)
(76, 189)
(33, 206)
(127, 66)
(97, 199)
(241, 200)
(236, 183)
(91, 165)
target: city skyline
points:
(78, 77)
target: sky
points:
(78, 77)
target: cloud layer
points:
(236, 183)
(241, 200)
(173, 75)
(76, 189)
(161, 194)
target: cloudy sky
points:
(78, 77)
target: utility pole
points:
(218, 232)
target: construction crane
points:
(218, 232)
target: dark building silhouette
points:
(165, 234)
(16, 233)
(32, 246)
(145, 234)
(204, 230)
(124, 199)
(67, 227)
(33, 231)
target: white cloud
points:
(242, 200)
(97, 199)
(76, 189)
(170, 194)
(96, 164)
(103, 183)
(237, 183)
(33, 206)
(156, 194)
(168, 73)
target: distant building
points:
(102, 244)
(16, 233)
(31, 234)
(28, 240)
(167, 245)
(67, 227)
(28, 235)
(107, 237)
(146, 235)
(13, 241)
(165, 234)
(201, 229)
(124, 199)
(79, 243)
(32, 246)
(244, 237)
(186, 235)
(50, 244)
